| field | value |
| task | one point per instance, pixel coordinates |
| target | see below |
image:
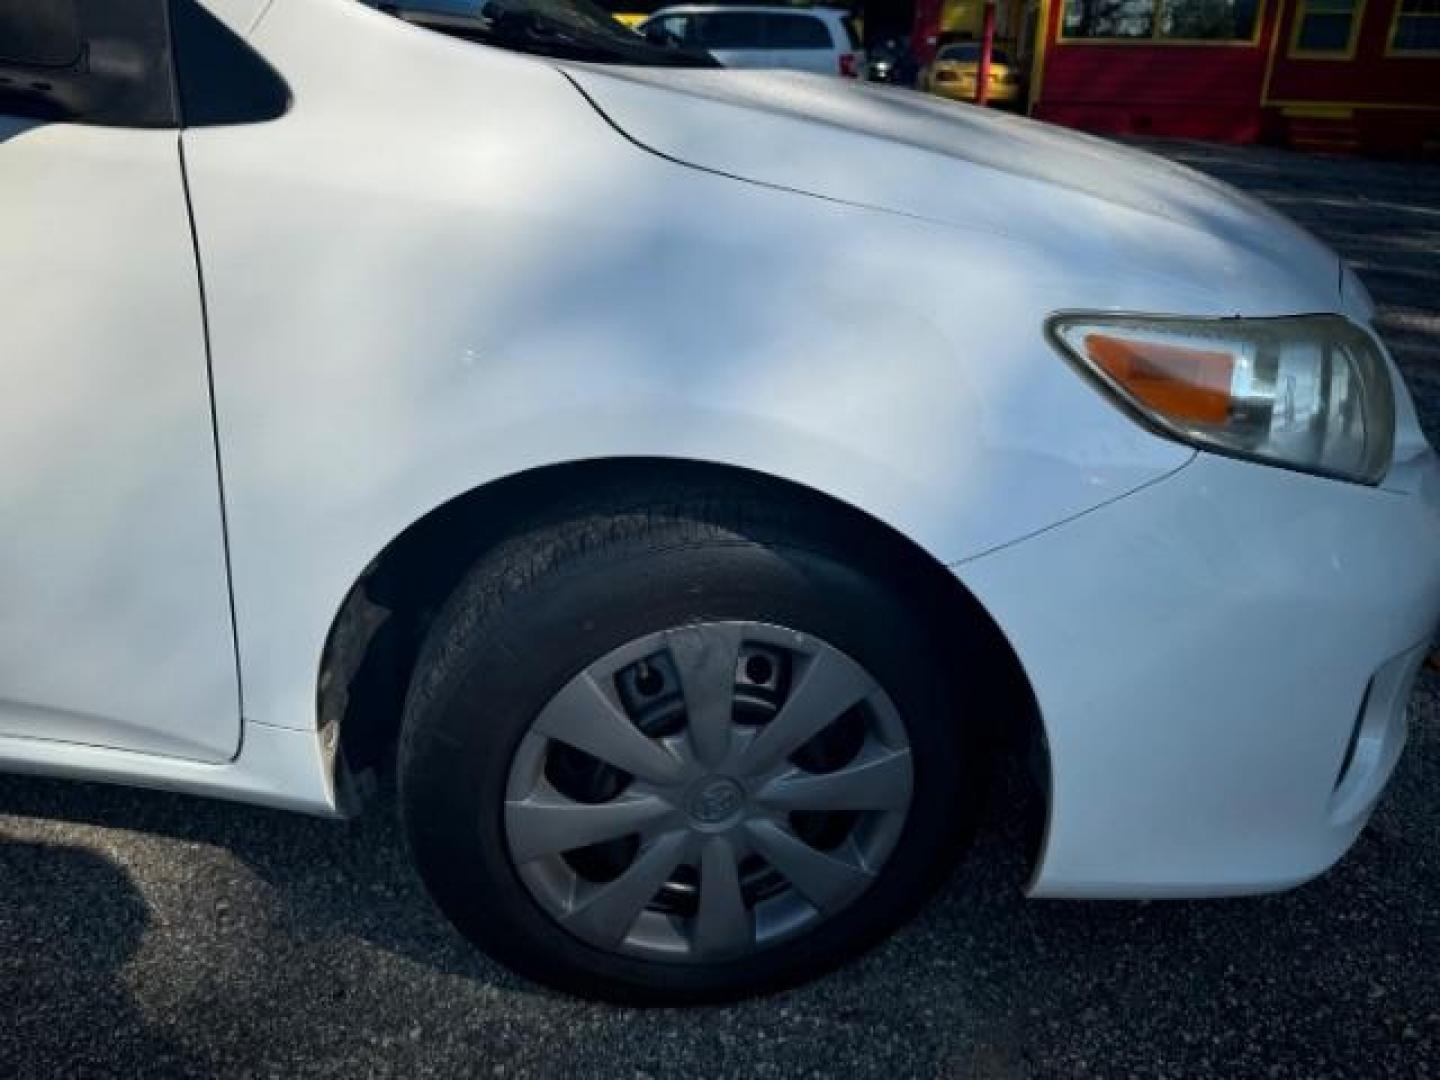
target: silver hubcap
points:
(707, 791)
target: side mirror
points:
(656, 34)
(100, 61)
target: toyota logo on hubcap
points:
(716, 801)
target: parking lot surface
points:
(158, 935)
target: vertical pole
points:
(987, 46)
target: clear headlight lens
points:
(1310, 392)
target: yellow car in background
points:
(953, 72)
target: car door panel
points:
(115, 625)
(741, 58)
(821, 61)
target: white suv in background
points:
(804, 39)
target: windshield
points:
(971, 53)
(567, 29)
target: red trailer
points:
(1337, 75)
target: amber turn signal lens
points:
(1307, 392)
(1191, 385)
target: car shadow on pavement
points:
(71, 920)
(317, 876)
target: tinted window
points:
(796, 32)
(1417, 26)
(971, 54)
(1326, 26)
(677, 28)
(39, 35)
(104, 62)
(729, 30)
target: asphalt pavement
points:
(144, 934)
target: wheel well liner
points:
(376, 635)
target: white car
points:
(698, 474)
(818, 39)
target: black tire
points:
(562, 592)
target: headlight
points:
(1310, 392)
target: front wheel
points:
(683, 753)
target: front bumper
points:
(1202, 652)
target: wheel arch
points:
(375, 635)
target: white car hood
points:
(964, 166)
